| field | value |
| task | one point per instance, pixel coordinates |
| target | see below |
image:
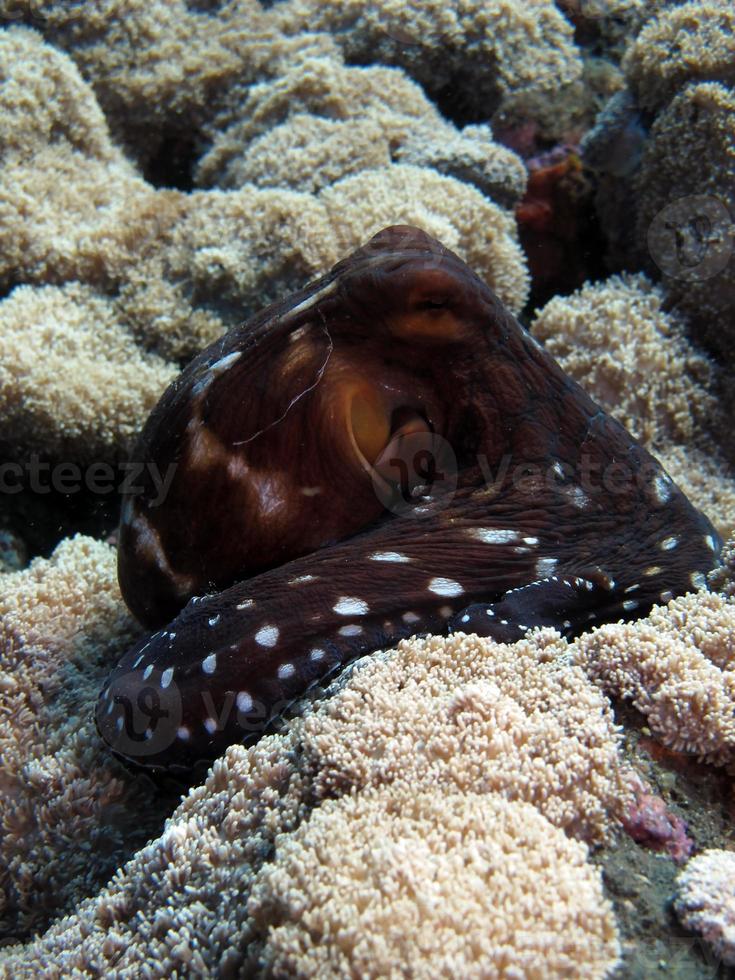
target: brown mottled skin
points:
(386, 452)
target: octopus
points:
(387, 452)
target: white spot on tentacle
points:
(316, 654)
(710, 542)
(267, 636)
(302, 579)
(210, 725)
(445, 587)
(183, 733)
(245, 604)
(698, 580)
(147, 672)
(286, 670)
(662, 488)
(213, 620)
(630, 604)
(299, 332)
(166, 677)
(350, 606)
(669, 543)
(388, 556)
(352, 630)
(410, 617)
(493, 535)
(209, 664)
(244, 702)
(578, 497)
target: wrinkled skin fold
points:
(387, 452)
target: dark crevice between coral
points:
(173, 162)
(35, 508)
(560, 232)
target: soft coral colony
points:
(271, 865)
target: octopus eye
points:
(429, 318)
(431, 303)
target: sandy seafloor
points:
(454, 808)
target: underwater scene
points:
(367, 489)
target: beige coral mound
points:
(677, 667)
(705, 900)
(498, 55)
(458, 886)
(322, 120)
(694, 42)
(179, 905)
(63, 797)
(471, 715)
(72, 380)
(154, 64)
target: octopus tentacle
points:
(386, 453)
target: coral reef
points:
(484, 868)
(684, 219)
(436, 720)
(320, 121)
(676, 666)
(157, 69)
(63, 798)
(691, 43)
(705, 900)
(673, 210)
(427, 716)
(173, 271)
(169, 167)
(476, 59)
(43, 331)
